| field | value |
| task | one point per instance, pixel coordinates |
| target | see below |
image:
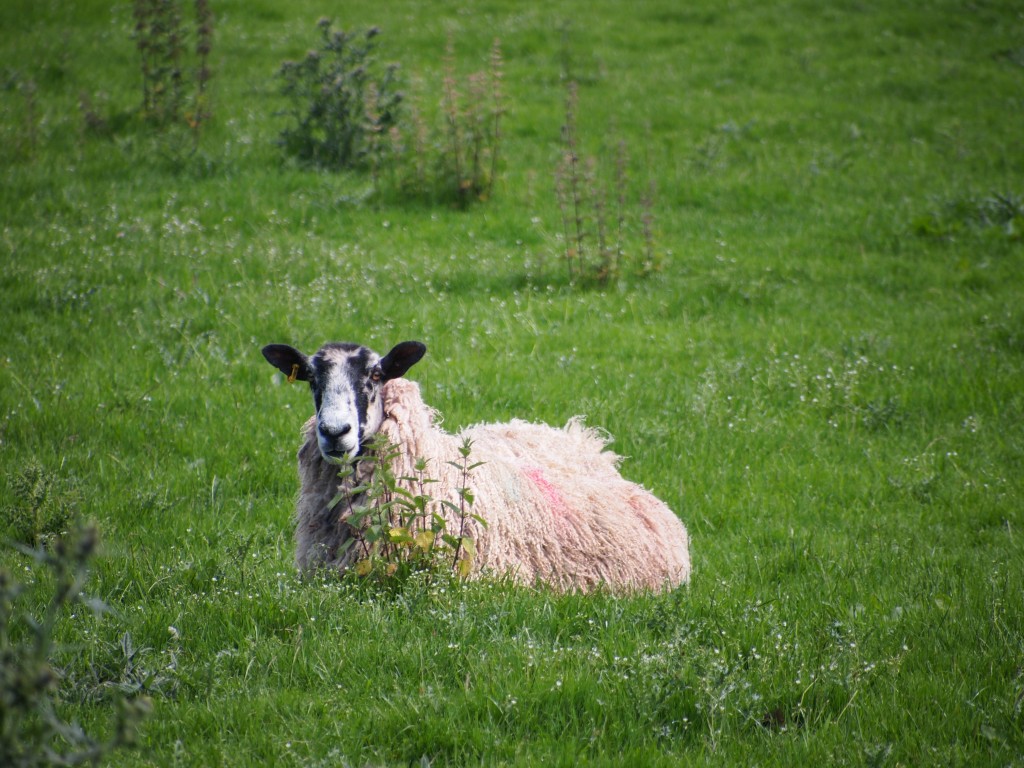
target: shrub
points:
(341, 100)
(348, 112)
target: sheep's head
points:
(346, 381)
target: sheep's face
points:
(346, 381)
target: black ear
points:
(288, 361)
(400, 359)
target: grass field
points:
(824, 378)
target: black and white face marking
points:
(346, 392)
(346, 381)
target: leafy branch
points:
(399, 528)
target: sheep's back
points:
(556, 507)
(559, 511)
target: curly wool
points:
(556, 507)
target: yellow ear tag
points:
(294, 374)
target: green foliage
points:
(1002, 213)
(33, 732)
(400, 532)
(346, 112)
(342, 103)
(40, 507)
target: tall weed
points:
(597, 249)
(174, 76)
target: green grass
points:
(825, 381)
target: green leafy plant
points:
(340, 100)
(33, 732)
(42, 505)
(347, 111)
(399, 531)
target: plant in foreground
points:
(32, 731)
(399, 529)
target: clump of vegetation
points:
(346, 111)
(32, 730)
(458, 161)
(600, 234)
(400, 532)
(341, 100)
(175, 84)
(997, 212)
(42, 506)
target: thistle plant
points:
(341, 101)
(40, 508)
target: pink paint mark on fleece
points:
(552, 497)
(641, 508)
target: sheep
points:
(557, 510)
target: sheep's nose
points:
(333, 432)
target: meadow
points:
(819, 365)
